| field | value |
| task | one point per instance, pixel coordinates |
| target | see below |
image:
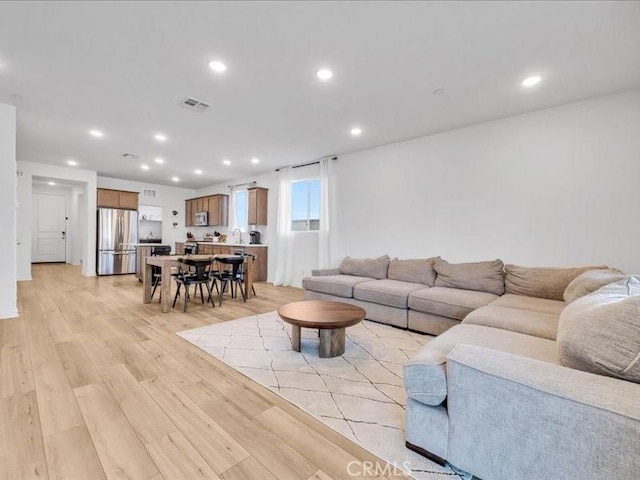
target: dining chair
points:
(194, 272)
(230, 277)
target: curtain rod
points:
(315, 162)
(243, 184)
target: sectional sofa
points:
(539, 381)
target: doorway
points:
(49, 230)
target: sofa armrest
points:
(515, 417)
(324, 272)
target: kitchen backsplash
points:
(200, 232)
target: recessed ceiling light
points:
(175, 179)
(217, 66)
(51, 183)
(355, 131)
(96, 133)
(144, 167)
(255, 160)
(531, 81)
(159, 160)
(324, 74)
(73, 163)
(160, 137)
(198, 172)
(227, 162)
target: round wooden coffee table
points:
(330, 318)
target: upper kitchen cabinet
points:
(217, 207)
(219, 210)
(108, 198)
(258, 202)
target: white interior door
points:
(49, 243)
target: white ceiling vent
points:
(194, 104)
(130, 156)
(149, 193)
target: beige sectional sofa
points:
(432, 295)
(502, 396)
(539, 381)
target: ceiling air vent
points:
(194, 104)
(149, 193)
(130, 156)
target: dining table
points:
(166, 262)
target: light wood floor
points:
(95, 385)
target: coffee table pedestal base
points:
(332, 341)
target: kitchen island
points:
(260, 252)
(143, 250)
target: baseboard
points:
(89, 274)
(425, 453)
(7, 314)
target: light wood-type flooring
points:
(96, 385)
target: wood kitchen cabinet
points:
(109, 198)
(258, 203)
(216, 205)
(179, 248)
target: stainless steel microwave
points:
(202, 219)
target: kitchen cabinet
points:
(179, 248)
(216, 205)
(142, 252)
(109, 198)
(258, 205)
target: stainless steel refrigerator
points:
(117, 234)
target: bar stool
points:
(158, 251)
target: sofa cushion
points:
(589, 282)
(386, 292)
(543, 282)
(338, 285)
(600, 332)
(448, 302)
(527, 322)
(479, 276)
(425, 377)
(365, 267)
(533, 304)
(414, 270)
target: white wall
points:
(553, 187)
(86, 182)
(8, 290)
(169, 198)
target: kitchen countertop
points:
(147, 244)
(226, 244)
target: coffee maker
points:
(254, 236)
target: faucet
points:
(239, 234)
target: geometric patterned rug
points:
(359, 394)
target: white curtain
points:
(233, 222)
(284, 259)
(327, 211)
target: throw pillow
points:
(479, 276)
(413, 270)
(366, 267)
(600, 332)
(590, 281)
(541, 282)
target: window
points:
(242, 209)
(305, 205)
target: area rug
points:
(359, 394)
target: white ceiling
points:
(123, 67)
